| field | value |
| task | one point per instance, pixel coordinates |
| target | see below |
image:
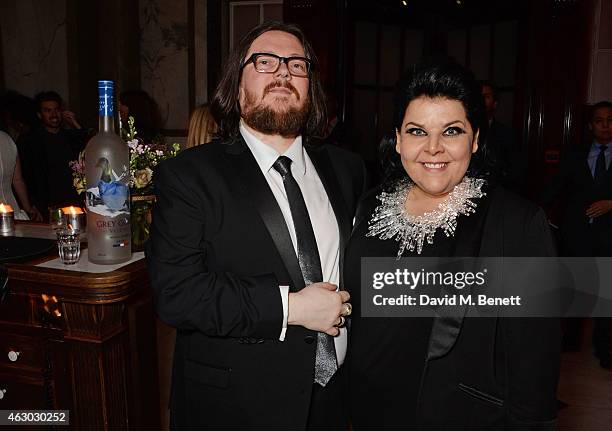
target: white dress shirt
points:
(594, 154)
(322, 216)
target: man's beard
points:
(265, 119)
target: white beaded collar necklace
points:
(390, 218)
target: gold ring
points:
(347, 309)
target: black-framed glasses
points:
(270, 63)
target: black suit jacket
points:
(575, 187)
(219, 249)
(496, 373)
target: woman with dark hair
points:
(446, 373)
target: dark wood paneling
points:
(214, 50)
(83, 67)
(2, 85)
(552, 82)
(141, 386)
(103, 42)
(191, 54)
(87, 343)
(325, 33)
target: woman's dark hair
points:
(443, 78)
(225, 106)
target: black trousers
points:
(328, 405)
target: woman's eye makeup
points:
(453, 131)
(450, 131)
(416, 131)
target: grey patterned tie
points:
(326, 363)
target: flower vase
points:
(140, 219)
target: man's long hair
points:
(225, 105)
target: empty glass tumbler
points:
(69, 245)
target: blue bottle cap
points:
(105, 97)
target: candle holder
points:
(7, 220)
(74, 218)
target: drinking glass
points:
(69, 245)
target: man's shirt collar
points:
(595, 147)
(265, 155)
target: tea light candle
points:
(7, 219)
(75, 218)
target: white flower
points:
(142, 177)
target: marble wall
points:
(600, 85)
(34, 46)
(35, 51)
(164, 58)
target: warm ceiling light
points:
(404, 2)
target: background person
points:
(583, 185)
(498, 150)
(46, 151)
(202, 127)
(147, 118)
(12, 180)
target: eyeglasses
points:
(270, 63)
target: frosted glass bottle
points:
(108, 194)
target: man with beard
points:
(46, 151)
(247, 245)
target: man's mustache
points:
(282, 84)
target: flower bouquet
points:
(143, 158)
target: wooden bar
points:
(84, 342)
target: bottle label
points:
(109, 196)
(105, 97)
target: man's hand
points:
(317, 307)
(599, 208)
(70, 119)
(34, 214)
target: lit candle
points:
(7, 219)
(75, 218)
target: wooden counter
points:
(85, 342)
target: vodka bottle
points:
(108, 197)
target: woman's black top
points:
(387, 356)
